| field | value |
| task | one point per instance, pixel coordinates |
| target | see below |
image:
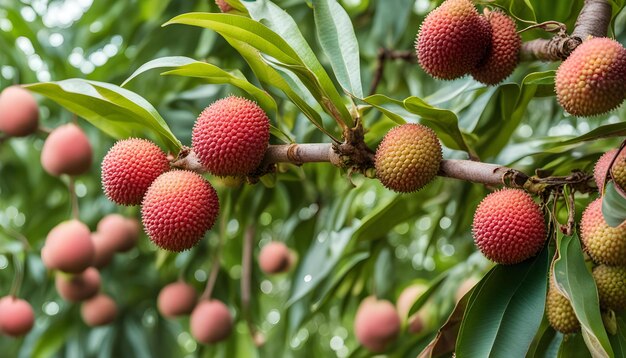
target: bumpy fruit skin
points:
(177, 299)
(178, 209)
(408, 158)
(602, 166)
(452, 40)
(80, 287)
(211, 322)
(275, 258)
(418, 321)
(590, 81)
(16, 316)
(98, 311)
(120, 233)
(605, 244)
(559, 311)
(509, 227)
(611, 282)
(618, 170)
(503, 55)
(68, 247)
(19, 113)
(66, 151)
(129, 168)
(223, 5)
(376, 324)
(230, 136)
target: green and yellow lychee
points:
(605, 244)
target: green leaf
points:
(618, 340)
(434, 284)
(54, 337)
(605, 131)
(170, 61)
(384, 217)
(336, 35)
(116, 111)
(613, 205)
(575, 281)
(505, 310)
(574, 347)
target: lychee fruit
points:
(602, 167)
(275, 258)
(418, 321)
(408, 158)
(559, 311)
(465, 287)
(68, 247)
(376, 324)
(211, 322)
(230, 136)
(103, 252)
(66, 151)
(590, 81)
(129, 168)
(503, 55)
(611, 283)
(16, 316)
(120, 233)
(223, 5)
(98, 311)
(19, 113)
(79, 287)
(605, 244)
(452, 40)
(618, 170)
(509, 227)
(177, 299)
(178, 209)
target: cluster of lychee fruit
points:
(455, 40)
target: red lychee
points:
(177, 299)
(509, 226)
(418, 321)
(275, 258)
(16, 316)
(178, 209)
(223, 5)
(66, 151)
(79, 287)
(98, 311)
(19, 113)
(103, 252)
(230, 136)
(376, 324)
(602, 167)
(129, 168)
(69, 247)
(120, 233)
(211, 322)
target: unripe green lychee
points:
(120, 233)
(68, 247)
(605, 244)
(376, 324)
(223, 5)
(408, 158)
(211, 322)
(178, 209)
(98, 311)
(509, 227)
(79, 287)
(275, 258)
(16, 316)
(559, 311)
(601, 168)
(66, 151)
(177, 299)
(19, 113)
(452, 40)
(591, 80)
(503, 54)
(618, 170)
(129, 168)
(230, 136)
(419, 321)
(611, 282)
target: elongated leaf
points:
(575, 281)
(618, 340)
(169, 61)
(574, 347)
(328, 290)
(336, 35)
(505, 311)
(613, 205)
(116, 111)
(434, 284)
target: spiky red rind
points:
(601, 168)
(605, 244)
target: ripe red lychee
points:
(503, 54)
(618, 170)
(223, 5)
(103, 252)
(178, 209)
(16, 316)
(591, 80)
(19, 113)
(120, 233)
(275, 258)
(69, 247)
(66, 151)
(79, 287)
(211, 322)
(408, 158)
(452, 40)
(129, 168)
(230, 136)
(419, 320)
(605, 244)
(98, 311)
(177, 299)
(509, 226)
(602, 167)
(376, 324)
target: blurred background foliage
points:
(352, 237)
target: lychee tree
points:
(257, 200)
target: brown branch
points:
(384, 55)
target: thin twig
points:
(19, 277)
